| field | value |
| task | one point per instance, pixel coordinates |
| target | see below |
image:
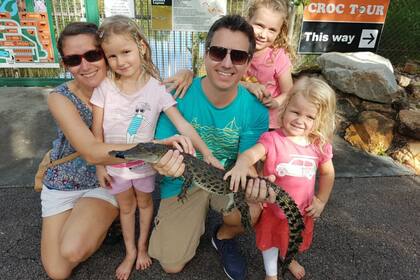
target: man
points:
(230, 120)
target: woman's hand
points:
(180, 82)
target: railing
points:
(173, 50)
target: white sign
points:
(119, 7)
(196, 15)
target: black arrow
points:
(371, 38)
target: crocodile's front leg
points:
(188, 178)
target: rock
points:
(414, 89)
(365, 74)
(400, 104)
(409, 155)
(346, 108)
(403, 81)
(372, 133)
(411, 68)
(409, 123)
(341, 123)
(384, 109)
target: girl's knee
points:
(128, 208)
(145, 201)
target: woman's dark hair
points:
(233, 23)
(77, 28)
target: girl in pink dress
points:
(293, 153)
(269, 74)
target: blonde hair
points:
(322, 96)
(279, 6)
(123, 25)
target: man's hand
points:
(256, 190)
(180, 82)
(171, 164)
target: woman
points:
(76, 212)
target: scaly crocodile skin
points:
(211, 180)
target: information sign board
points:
(342, 25)
(26, 36)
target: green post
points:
(51, 21)
(92, 11)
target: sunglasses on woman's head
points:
(76, 59)
(237, 57)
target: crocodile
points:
(210, 179)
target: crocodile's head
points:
(148, 152)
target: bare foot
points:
(124, 269)
(271, 277)
(143, 260)
(296, 269)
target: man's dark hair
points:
(233, 23)
(77, 28)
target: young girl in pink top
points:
(293, 153)
(269, 74)
(126, 108)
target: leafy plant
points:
(300, 2)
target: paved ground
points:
(369, 229)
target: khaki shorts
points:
(178, 226)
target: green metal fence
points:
(173, 50)
(400, 39)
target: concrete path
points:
(369, 229)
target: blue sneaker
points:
(233, 262)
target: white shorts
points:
(54, 202)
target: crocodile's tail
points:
(296, 226)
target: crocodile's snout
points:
(117, 154)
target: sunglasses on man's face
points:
(76, 59)
(237, 57)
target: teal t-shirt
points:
(226, 131)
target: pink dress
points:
(266, 68)
(295, 169)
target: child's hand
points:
(180, 82)
(103, 177)
(316, 208)
(237, 177)
(270, 102)
(210, 159)
(258, 90)
(180, 142)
